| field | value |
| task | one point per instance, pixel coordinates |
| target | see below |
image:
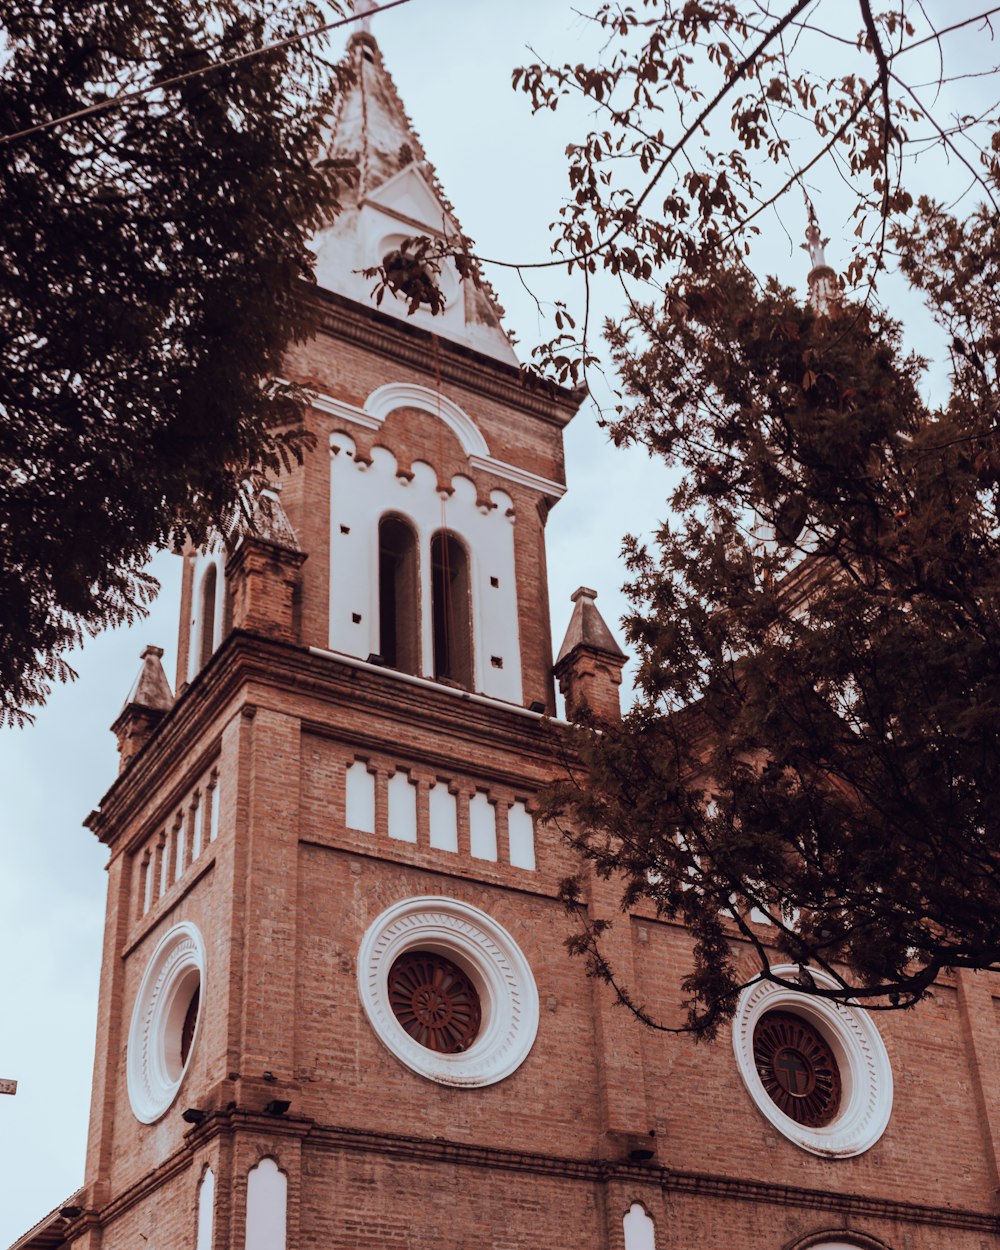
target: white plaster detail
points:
(521, 836)
(486, 463)
(358, 500)
(443, 818)
(384, 401)
(487, 954)
(404, 206)
(482, 827)
(213, 807)
(640, 1233)
(865, 1072)
(402, 808)
(147, 883)
(154, 1069)
(197, 820)
(267, 1206)
(206, 1210)
(360, 798)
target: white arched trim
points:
(866, 1098)
(393, 395)
(370, 418)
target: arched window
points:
(206, 616)
(452, 609)
(399, 634)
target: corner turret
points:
(149, 700)
(590, 663)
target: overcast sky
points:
(504, 172)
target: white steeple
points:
(396, 197)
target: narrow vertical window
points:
(207, 615)
(639, 1232)
(267, 1202)
(360, 798)
(443, 817)
(197, 820)
(213, 807)
(521, 836)
(399, 635)
(452, 609)
(482, 827)
(402, 808)
(180, 846)
(147, 882)
(206, 1209)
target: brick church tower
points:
(336, 1008)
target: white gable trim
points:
(380, 197)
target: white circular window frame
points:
(865, 1073)
(486, 952)
(153, 1071)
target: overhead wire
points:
(127, 97)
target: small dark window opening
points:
(207, 615)
(452, 610)
(399, 633)
(188, 1027)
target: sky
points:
(504, 172)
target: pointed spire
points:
(823, 291)
(267, 521)
(149, 700)
(590, 663)
(587, 628)
(395, 196)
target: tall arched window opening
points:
(452, 609)
(399, 634)
(206, 615)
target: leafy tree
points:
(812, 763)
(149, 255)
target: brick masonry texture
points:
(375, 1155)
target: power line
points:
(127, 97)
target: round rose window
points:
(797, 1068)
(434, 1001)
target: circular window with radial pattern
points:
(817, 1069)
(434, 1001)
(448, 991)
(797, 1068)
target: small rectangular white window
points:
(521, 836)
(482, 827)
(444, 818)
(402, 808)
(360, 798)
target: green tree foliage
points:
(149, 256)
(812, 764)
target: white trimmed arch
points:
(393, 395)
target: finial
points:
(814, 244)
(364, 10)
(822, 280)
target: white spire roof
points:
(397, 196)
